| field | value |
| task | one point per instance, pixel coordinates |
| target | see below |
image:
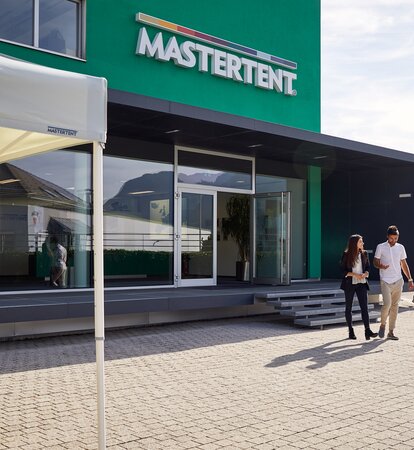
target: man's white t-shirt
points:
(391, 256)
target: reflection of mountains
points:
(136, 195)
(199, 178)
(26, 188)
(161, 185)
(226, 179)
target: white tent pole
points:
(99, 287)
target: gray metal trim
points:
(194, 112)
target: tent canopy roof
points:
(43, 109)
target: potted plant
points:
(237, 226)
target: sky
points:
(368, 71)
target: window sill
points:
(43, 50)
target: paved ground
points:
(255, 383)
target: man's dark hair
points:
(392, 230)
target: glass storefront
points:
(45, 210)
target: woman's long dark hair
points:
(352, 250)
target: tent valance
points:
(42, 109)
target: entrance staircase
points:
(314, 308)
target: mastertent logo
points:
(219, 63)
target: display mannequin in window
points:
(59, 257)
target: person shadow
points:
(329, 352)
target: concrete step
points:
(316, 301)
(312, 311)
(320, 321)
(300, 295)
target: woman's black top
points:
(347, 281)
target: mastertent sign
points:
(219, 63)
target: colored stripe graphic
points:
(165, 25)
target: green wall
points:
(286, 28)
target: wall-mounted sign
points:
(190, 54)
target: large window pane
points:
(196, 235)
(45, 204)
(16, 21)
(58, 26)
(138, 221)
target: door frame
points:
(179, 281)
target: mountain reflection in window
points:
(208, 177)
(148, 197)
(215, 170)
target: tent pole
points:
(97, 167)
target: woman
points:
(355, 266)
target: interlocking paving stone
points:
(250, 383)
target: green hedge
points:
(136, 262)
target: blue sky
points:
(368, 71)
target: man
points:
(390, 258)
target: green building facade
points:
(204, 99)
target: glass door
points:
(271, 238)
(196, 238)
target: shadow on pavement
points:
(58, 351)
(328, 353)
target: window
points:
(53, 25)
(215, 170)
(46, 199)
(138, 221)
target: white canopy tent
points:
(44, 109)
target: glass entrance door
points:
(271, 238)
(196, 238)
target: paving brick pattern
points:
(251, 383)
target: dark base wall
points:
(365, 202)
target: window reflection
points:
(214, 170)
(16, 21)
(196, 236)
(59, 23)
(58, 26)
(138, 221)
(45, 201)
(209, 177)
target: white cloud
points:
(368, 71)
